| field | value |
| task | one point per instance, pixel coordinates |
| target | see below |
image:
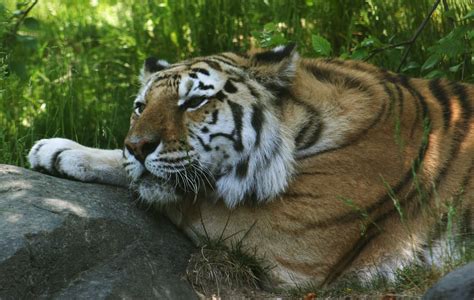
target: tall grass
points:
(71, 68)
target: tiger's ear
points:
(152, 65)
(275, 68)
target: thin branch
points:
(417, 33)
(382, 49)
(446, 10)
(23, 16)
(409, 42)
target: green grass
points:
(71, 68)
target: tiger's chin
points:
(175, 187)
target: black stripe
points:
(272, 56)
(337, 78)
(222, 134)
(401, 99)
(391, 96)
(213, 65)
(207, 148)
(313, 123)
(227, 57)
(301, 134)
(253, 92)
(225, 61)
(171, 160)
(201, 70)
(237, 114)
(302, 195)
(280, 92)
(440, 94)
(160, 78)
(152, 65)
(229, 87)
(316, 128)
(351, 255)
(202, 86)
(56, 161)
(215, 117)
(258, 118)
(242, 168)
(220, 96)
(354, 139)
(313, 138)
(419, 101)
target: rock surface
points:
(458, 284)
(64, 239)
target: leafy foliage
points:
(69, 68)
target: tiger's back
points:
(380, 157)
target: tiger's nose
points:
(141, 147)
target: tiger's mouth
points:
(192, 178)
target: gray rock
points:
(458, 284)
(70, 240)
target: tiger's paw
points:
(63, 158)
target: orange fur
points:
(339, 212)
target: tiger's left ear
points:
(152, 65)
(275, 68)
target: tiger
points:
(325, 166)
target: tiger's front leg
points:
(63, 157)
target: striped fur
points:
(364, 140)
(336, 166)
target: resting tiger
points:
(326, 166)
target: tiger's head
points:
(212, 123)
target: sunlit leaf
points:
(371, 42)
(320, 45)
(269, 27)
(455, 68)
(435, 74)
(430, 62)
(410, 66)
(469, 15)
(360, 54)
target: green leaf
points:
(410, 66)
(450, 14)
(430, 62)
(470, 34)
(455, 68)
(469, 15)
(31, 23)
(345, 55)
(359, 54)
(435, 74)
(277, 39)
(320, 45)
(371, 42)
(269, 27)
